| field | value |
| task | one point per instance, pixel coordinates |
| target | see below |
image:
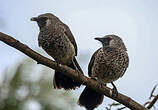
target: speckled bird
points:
(57, 40)
(107, 64)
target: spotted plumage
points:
(107, 64)
(57, 45)
(57, 40)
(111, 63)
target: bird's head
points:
(45, 20)
(111, 41)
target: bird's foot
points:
(114, 91)
(78, 72)
(100, 84)
(58, 64)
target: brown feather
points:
(71, 37)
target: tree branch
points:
(125, 100)
(152, 102)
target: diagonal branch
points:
(152, 102)
(125, 100)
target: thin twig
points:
(152, 102)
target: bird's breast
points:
(58, 47)
(109, 66)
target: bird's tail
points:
(90, 99)
(62, 81)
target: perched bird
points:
(57, 40)
(107, 64)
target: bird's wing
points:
(126, 64)
(92, 62)
(71, 37)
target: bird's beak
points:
(99, 39)
(34, 19)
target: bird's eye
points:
(109, 38)
(42, 21)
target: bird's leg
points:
(58, 64)
(76, 69)
(100, 83)
(114, 90)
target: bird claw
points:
(114, 92)
(100, 85)
(78, 73)
(58, 64)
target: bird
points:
(58, 41)
(107, 64)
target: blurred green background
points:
(28, 86)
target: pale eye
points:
(109, 38)
(48, 22)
